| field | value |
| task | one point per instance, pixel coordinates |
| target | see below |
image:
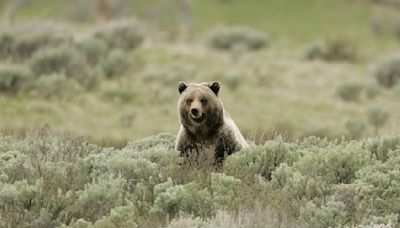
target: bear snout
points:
(195, 113)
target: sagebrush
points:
(50, 179)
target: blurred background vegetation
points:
(108, 69)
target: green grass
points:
(278, 88)
(288, 22)
(300, 21)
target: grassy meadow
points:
(88, 112)
(272, 89)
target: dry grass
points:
(245, 218)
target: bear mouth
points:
(197, 119)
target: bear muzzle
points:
(196, 115)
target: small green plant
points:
(115, 64)
(387, 71)
(377, 118)
(355, 128)
(13, 78)
(230, 38)
(349, 91)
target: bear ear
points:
(181, 86)
(214, 86)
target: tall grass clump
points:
(387, 71)
(230, 38)
(13, 78)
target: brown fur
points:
(213, 127)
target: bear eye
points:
(203, 101)
(188, 101)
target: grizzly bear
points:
(204, 122)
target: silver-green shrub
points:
(230, 38)
(349, 91)
(387, 71)
(56, 60)
(116, 63)
(32, 37)
(13, 78)
(94, 49)
(170, 200)
(225, 189)
(337, 163)
(54, 180)
(261, 160)
(331, 214)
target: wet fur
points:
(217, 130)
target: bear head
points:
(200, 109)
